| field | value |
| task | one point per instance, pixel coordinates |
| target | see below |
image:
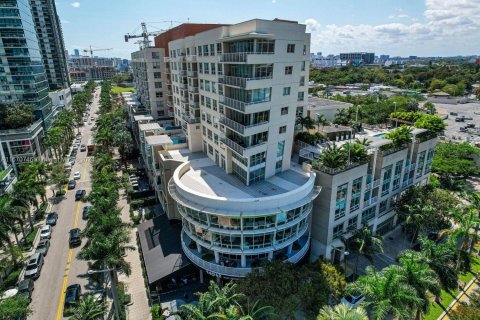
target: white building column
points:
(289, 248)
(217, 257)
(270, 256)
(243, 261)
(199, 248)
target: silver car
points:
(34, 266)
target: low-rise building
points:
(366, 193)
(328, 108)
(61, 99)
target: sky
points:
(395, 27)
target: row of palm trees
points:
(107, 235)
(406, 290)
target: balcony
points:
(193, 89)
(238, 127)
(237, 147)
(246, 57)
(192, 74)
(376, 184)
(193, 104)
(190, 120)
(7, 179)
(370, 202)
(167, 59)
(182, 73)
(192, 58)
(239, 81)
(167, 71)
(245, 107)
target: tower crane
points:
(145, 43)
(91, 50)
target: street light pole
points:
(113, 280)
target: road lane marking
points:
(69, 261)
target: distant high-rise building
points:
(357, 58)
(76, 52)
(50, 38)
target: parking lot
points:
(453, 129)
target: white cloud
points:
(447, 28)
(274, 1)
(75, 4)
(64, 21)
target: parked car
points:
(72, 298)
(83, 148)
(25, 288)
(353, 300)
(75, 146)
(75, 239)
(76, 175)
(43, 246)
(46, 232)
(85, 212)
(52, 218)
(71, 184)
(79, 194)
(68, 167)
(34, 266)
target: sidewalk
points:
(463, 296)
(135, 283)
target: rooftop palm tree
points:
(342, 311)
(254, 311)
(386, 293)
(321, 121)
(89, 308)
(334, 156)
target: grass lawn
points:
(447, 297)
(117, 89)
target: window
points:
(205, 50)
(337, 230)
(302, 81)
(302, 68)
(278, 166)
(280, 148)
(199, 50)
(212, 49)
(301, 96)
(288, 70)
(291, 48)
(158, 94)
(258, 158)
(155, 55)
(212, 67)
(157, 75)
(340, 201)
(156, 65)
(206, 68)
(282, 129)
(158, 85)
(383, 206)
(352, 223)
(286, 91)
(257, 175)
(284, 111)
(210, 149)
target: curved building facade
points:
(229, 229)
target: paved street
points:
(61, 267)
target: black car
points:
(25, 288)
(79, 194)
(71, 184)
(72, 298)
(85, 212)
(43, 246)
(52, 218)
(75, 239)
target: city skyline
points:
(421, 28)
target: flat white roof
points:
(156, 140)
(209, 179)
(316, 103)
(184, 155)
(142, 117)
(149, 126)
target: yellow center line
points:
(69, 261)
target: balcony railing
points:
(239, 81)
(192, 89)
(240, 56)
(192, 58)
(28, 129)
(300, 254)
(237, 104)
(182, 73)
(166, 59)
(192, 74)
(211, 267)
(237, 147)
(193, 104)
(238, 127)
(190, 120)
(376, 183)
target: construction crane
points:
(145, 43)
(91, 50)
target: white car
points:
(76, 175)
(353, 299)
(75, 146)
(46, 232)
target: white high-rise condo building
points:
(236, 91)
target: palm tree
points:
(386, 293)
(365, 243)
(364, 142)
(341, 117)
(254, 311)
(418, 275)
(342, 311)
(321, 121)
(400, 136)
(414, 217)
(357, 152)
(89, 308)
(441, 259)
(334, 156)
